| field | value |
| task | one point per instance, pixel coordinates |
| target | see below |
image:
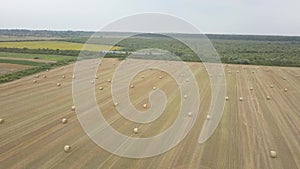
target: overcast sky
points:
(273, 17)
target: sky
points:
(264, 17)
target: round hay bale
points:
(73, 77)
(251, 88)
(273, 154)
(229, 71)
(64, 120)
(142, 76)
(47, 70)
(241, 98)
(185, 96)
(154, 88)
(160, 77)
(2, 121)
(58, 84)
(252, 71)
(135, 130)
(285, 89)
(63, 76)
(44, 76)
(73, 108)
(238, 71)
(208, 117)
(96, 77)
(37, 76)
(100, 88)
(34, 81)
(116, 104)
(144, 105)
(190, 114)
(108, 80)
(67, 148)
(62, 68)
(268, 98)
(131, 86)
(272, 86)
(226, 98)
(284, 78)
(92, 81)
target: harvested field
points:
(33, 135)
(9, 68)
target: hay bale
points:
(185, 96)
(238, 71)
(62, 68)
(47, 70)
(67, 148)
(116, 104)
(154, 88)
(135, 130)
(190, 114)
(268, 98)
(64, 120)
(96, 77)
(208, 117)
(251, 88)
(160, 77)
(37, 76)
(73, 108)
(108, 80)
(34, 81)
(285, 89)
(241, 98)
(44, 76)
(92, 81)
(272, 86)
(2, 121)
(227, 98)
(284, 78)
(144, 105)
(131, 86)
(73, 77)
(63, 76)
(273, 154)
(58, 84)
(252, 71)
(142, 76)
(100, 88)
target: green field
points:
(21, 62)
(61, 45)
(35, 56)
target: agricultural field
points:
(33, 135)
(54, 45)
(6, 68)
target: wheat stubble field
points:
(33, 135)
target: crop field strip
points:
(33, 135)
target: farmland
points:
(34, 137)
(61, 45)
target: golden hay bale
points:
(116, 104)
(2, 121)
(241, 98)
(96, 77)
(135, 130)
(160, 77)
(284, 78)
(131, 86)
(238, 71)
(285, 89)
(271, 86)
(208, 117)
(37, 76)
(185, 96)
(73, 77)
(44, 76)
(273, 154)
(62, 68)
(154, 88)
(67, 148)
(34, 81)
(100, 88)
(64, 120)
(73, 108)
(142, 76)
(63, 76)
(108, 80)
(251, 88)
(47, 70)
(227, 98)
(190, 114)
(145, 105)
(58, 84)
(92, 81)
(268, 98)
